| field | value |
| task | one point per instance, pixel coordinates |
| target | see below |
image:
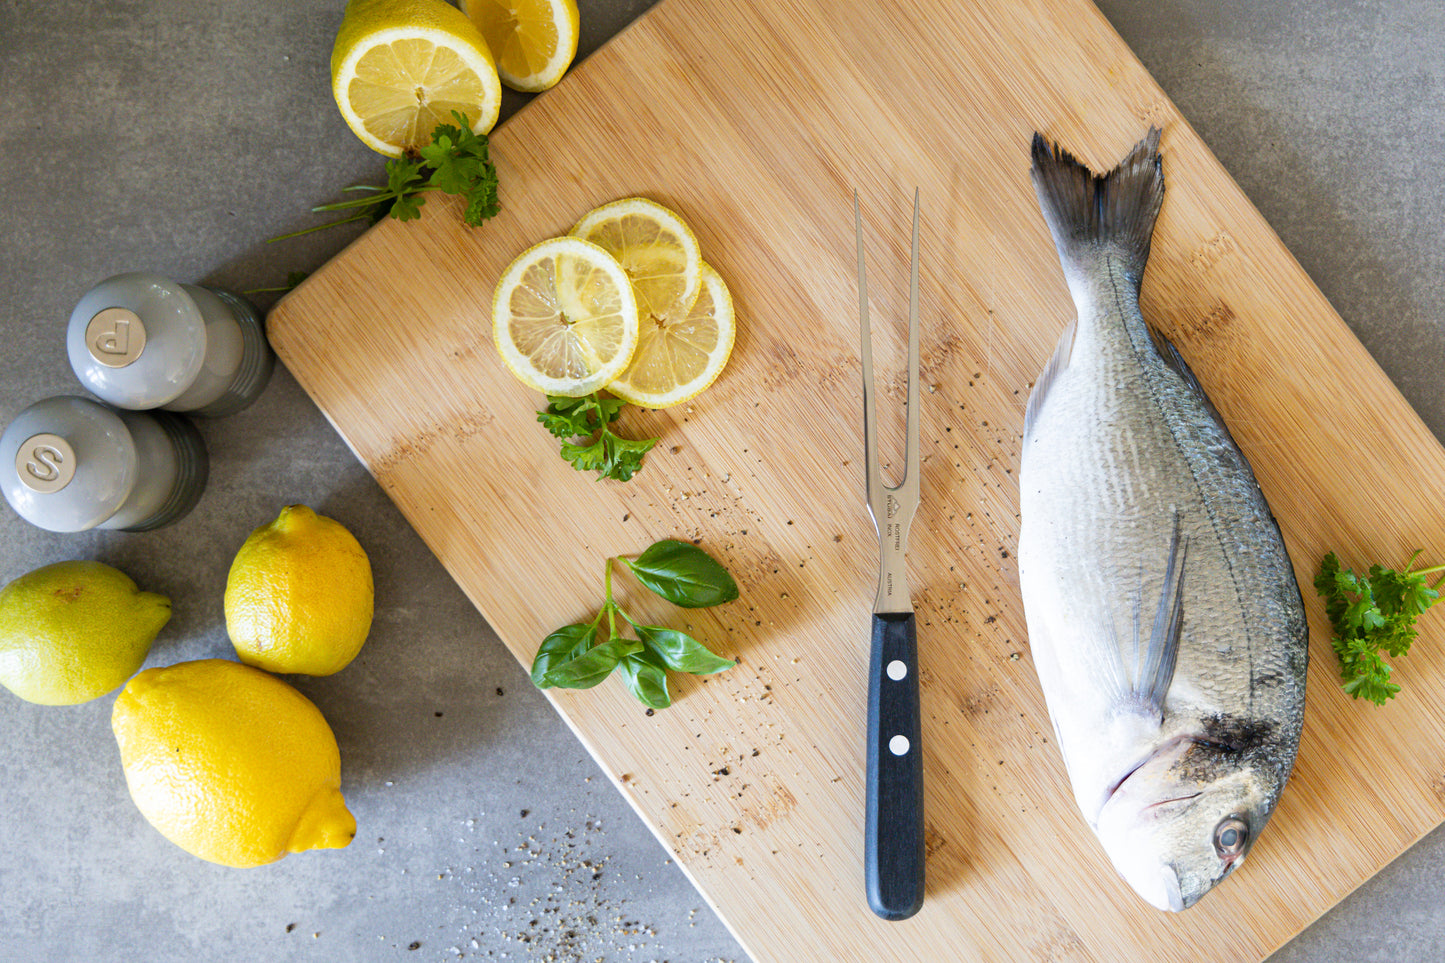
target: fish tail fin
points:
(1091, 214)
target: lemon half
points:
(534, 41)
(400, 67)
(676, 358)
(564, 317)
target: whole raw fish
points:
(1164, 619)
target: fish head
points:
(1185, 819)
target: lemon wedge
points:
(657, 250)
(534, 41)
(564, 317)
(676, 358)
(400, 67)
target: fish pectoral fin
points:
(1057, 362)
(1161, 654)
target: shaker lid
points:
(67, 464)
(136, 340)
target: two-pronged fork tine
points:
(893, 857)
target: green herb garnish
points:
(578, 657)
(456, 162)
(1372, 614)
(600, 449)
(293, 278)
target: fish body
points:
(1164, 619)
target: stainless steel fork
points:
(893, 834)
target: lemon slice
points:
(534, 41)
(564, 317)
(677, 358)
(400, 67)
(655, 247)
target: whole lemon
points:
(299, 596)
(231, 764)
(73, 631)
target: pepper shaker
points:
(69, 464)
(142, 341)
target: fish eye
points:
(1231, 836)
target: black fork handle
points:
(893, 835)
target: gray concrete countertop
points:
(178, 136)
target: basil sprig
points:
(572, 657)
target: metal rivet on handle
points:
(898, 745)
(897, 670)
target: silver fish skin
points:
(1164, 619)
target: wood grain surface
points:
(757, 121)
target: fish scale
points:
(1167, 628)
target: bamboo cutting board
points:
(756, 121)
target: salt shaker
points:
(69, 464)
(142, 341)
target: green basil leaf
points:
(592, 666)
(560, 647)
(684, 574)
(646, 678)
(680, 651)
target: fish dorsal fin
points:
(1143, 672)
(1058, 362)
(1175, 361)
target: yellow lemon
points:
(231, 764)
(299, 596)
(400, 67)
(73, 631)
(564, 317)
(534, 41)
(676, 358)
(655, 247)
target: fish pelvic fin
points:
(1090, 215)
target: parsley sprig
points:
(457, 161)
(1372, 614)
(577, 656)
(598, 447)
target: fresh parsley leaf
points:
(1371, 614)
(600, 449)
(457, 161)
